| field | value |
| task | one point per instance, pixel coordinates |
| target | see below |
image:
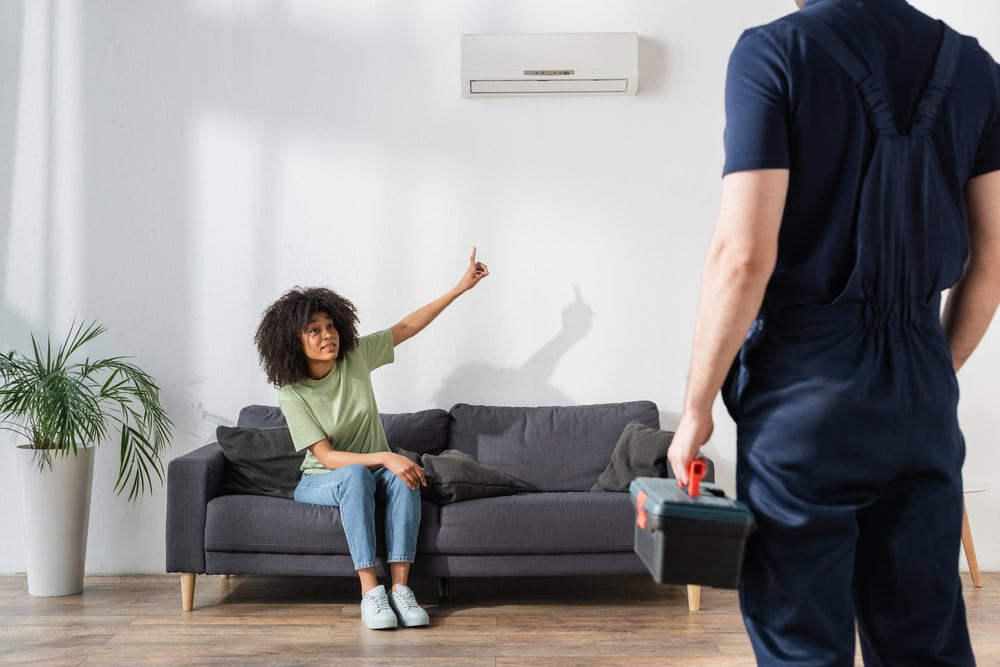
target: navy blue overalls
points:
(849, 450)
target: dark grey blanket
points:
(453, 476)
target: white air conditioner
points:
(603, 63)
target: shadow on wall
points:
(11, 25)
(203, 423)
(479, 382)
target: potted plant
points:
(62, 409)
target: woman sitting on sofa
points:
(310, 349)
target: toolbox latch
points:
(640, 510)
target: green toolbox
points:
(690, 536)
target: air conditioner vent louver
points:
(550, 64)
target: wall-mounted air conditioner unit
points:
(603, 63)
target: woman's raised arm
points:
(416, 321)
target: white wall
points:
(170, 167)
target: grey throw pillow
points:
(261, 461)
(641, 451)
(453, 476)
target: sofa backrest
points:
(561, 448)
(422, 432)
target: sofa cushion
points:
(258, 524)
(421, 432)
(538, 523)
(549, 448)
(640, 452)
(259, 460)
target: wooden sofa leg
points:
(187, 591)
(444, 588)
(694, 597)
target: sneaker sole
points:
(386, 626)
(409, 624)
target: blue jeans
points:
(354, 489)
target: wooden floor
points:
(558, 622)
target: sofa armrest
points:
(192, 480)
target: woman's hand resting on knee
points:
(405, 469)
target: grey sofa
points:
(561, 527)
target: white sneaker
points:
(375, 610)
(404, 603)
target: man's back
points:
(790, 105)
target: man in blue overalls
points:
(862, 179)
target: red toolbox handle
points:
(696, 470)
(640, 510)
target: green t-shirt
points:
(340, 407)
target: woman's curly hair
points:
(279, 336)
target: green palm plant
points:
(58, 406)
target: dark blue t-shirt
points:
(790, 106)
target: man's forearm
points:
(740, 261)
(969, 310)
(733, 293)
(973, 300)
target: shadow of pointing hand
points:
(577, 317)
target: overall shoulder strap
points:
(871, 93)
(936, 90)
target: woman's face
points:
(320, 339)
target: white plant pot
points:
(55, 504)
